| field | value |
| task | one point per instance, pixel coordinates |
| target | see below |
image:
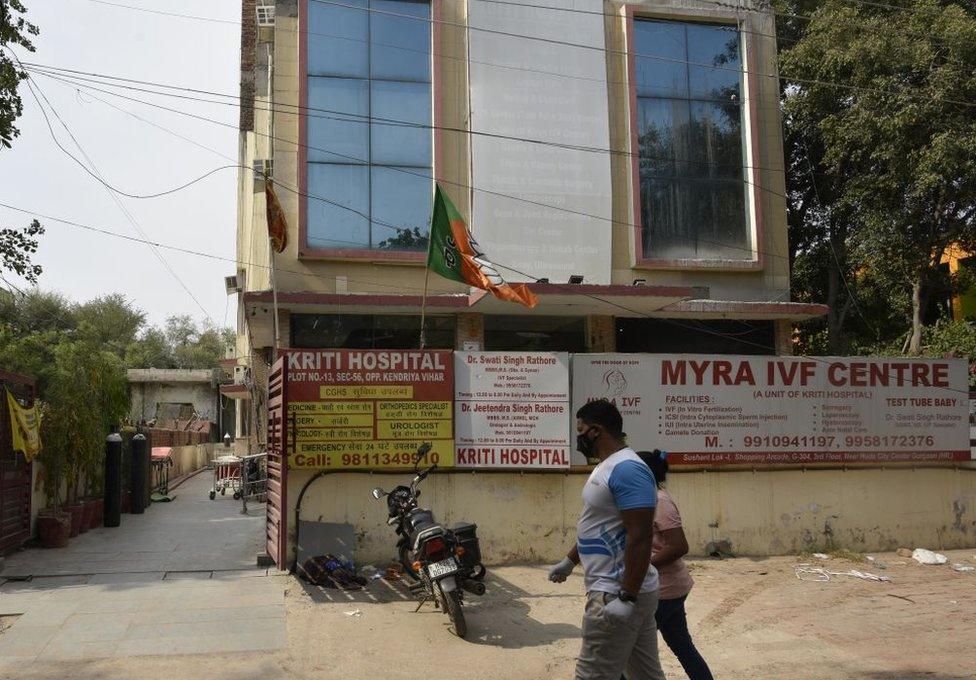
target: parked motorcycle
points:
(444, 563)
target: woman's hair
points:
(657, 460)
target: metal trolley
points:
(227, 475)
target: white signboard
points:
(722, 410)
(512, 409)
(529, 91)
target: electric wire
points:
(98, 176)
(607, 50)
(614, 222)
(570, 289)
(736, 8)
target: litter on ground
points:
(923, 556)
(809, 572)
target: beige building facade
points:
(623, 159)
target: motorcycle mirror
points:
(378, 493)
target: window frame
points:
(755, 228)
(359, 254)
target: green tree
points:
(150, 350)
(208, 347)
(406, 239)
(17, 245)
(181, 330)
(110, 321)
(84, 401)
(31, 327)
(15, 30)
(898, 138)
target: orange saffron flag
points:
(277, 226)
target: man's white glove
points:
(616, 611)
(561, 571)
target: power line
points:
(364, 119)
(611, 303)
(97, 175)
(607, 50)
(167, 14)
(902, 8)
(613, 222)
(784, 295)
(738, 9)
(198, 253)
(705, 330)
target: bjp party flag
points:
(455, 255)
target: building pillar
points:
(469, 333)
(284, 328)
(783, 337)
(601, 334)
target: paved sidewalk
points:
(179, 579)
(132, 618)
(192, 533)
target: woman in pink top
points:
(669, 546)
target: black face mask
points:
(585, 445)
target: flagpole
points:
(274, 300)
(423, 302)
(274, 288)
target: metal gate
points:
(277, 507)
(15, 471)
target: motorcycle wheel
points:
(452, 603)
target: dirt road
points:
(752, 618)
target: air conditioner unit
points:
(266, 19)
(240, 374)
(263, 167)
(232, 285)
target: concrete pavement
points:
(192, 533)
(179, 579)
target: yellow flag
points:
(25, 427)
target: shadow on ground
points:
(908, 675)
(502, 618)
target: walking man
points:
(614, 546)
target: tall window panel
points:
(369, 124)
(690, 141)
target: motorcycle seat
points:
(420, 519)
(425, 533)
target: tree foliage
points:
(890, 156)
(78, 354)
(85, 399)
(16, 248)
(17, 31)
(406, 239)
(17, 245)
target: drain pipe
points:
(298, 512)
